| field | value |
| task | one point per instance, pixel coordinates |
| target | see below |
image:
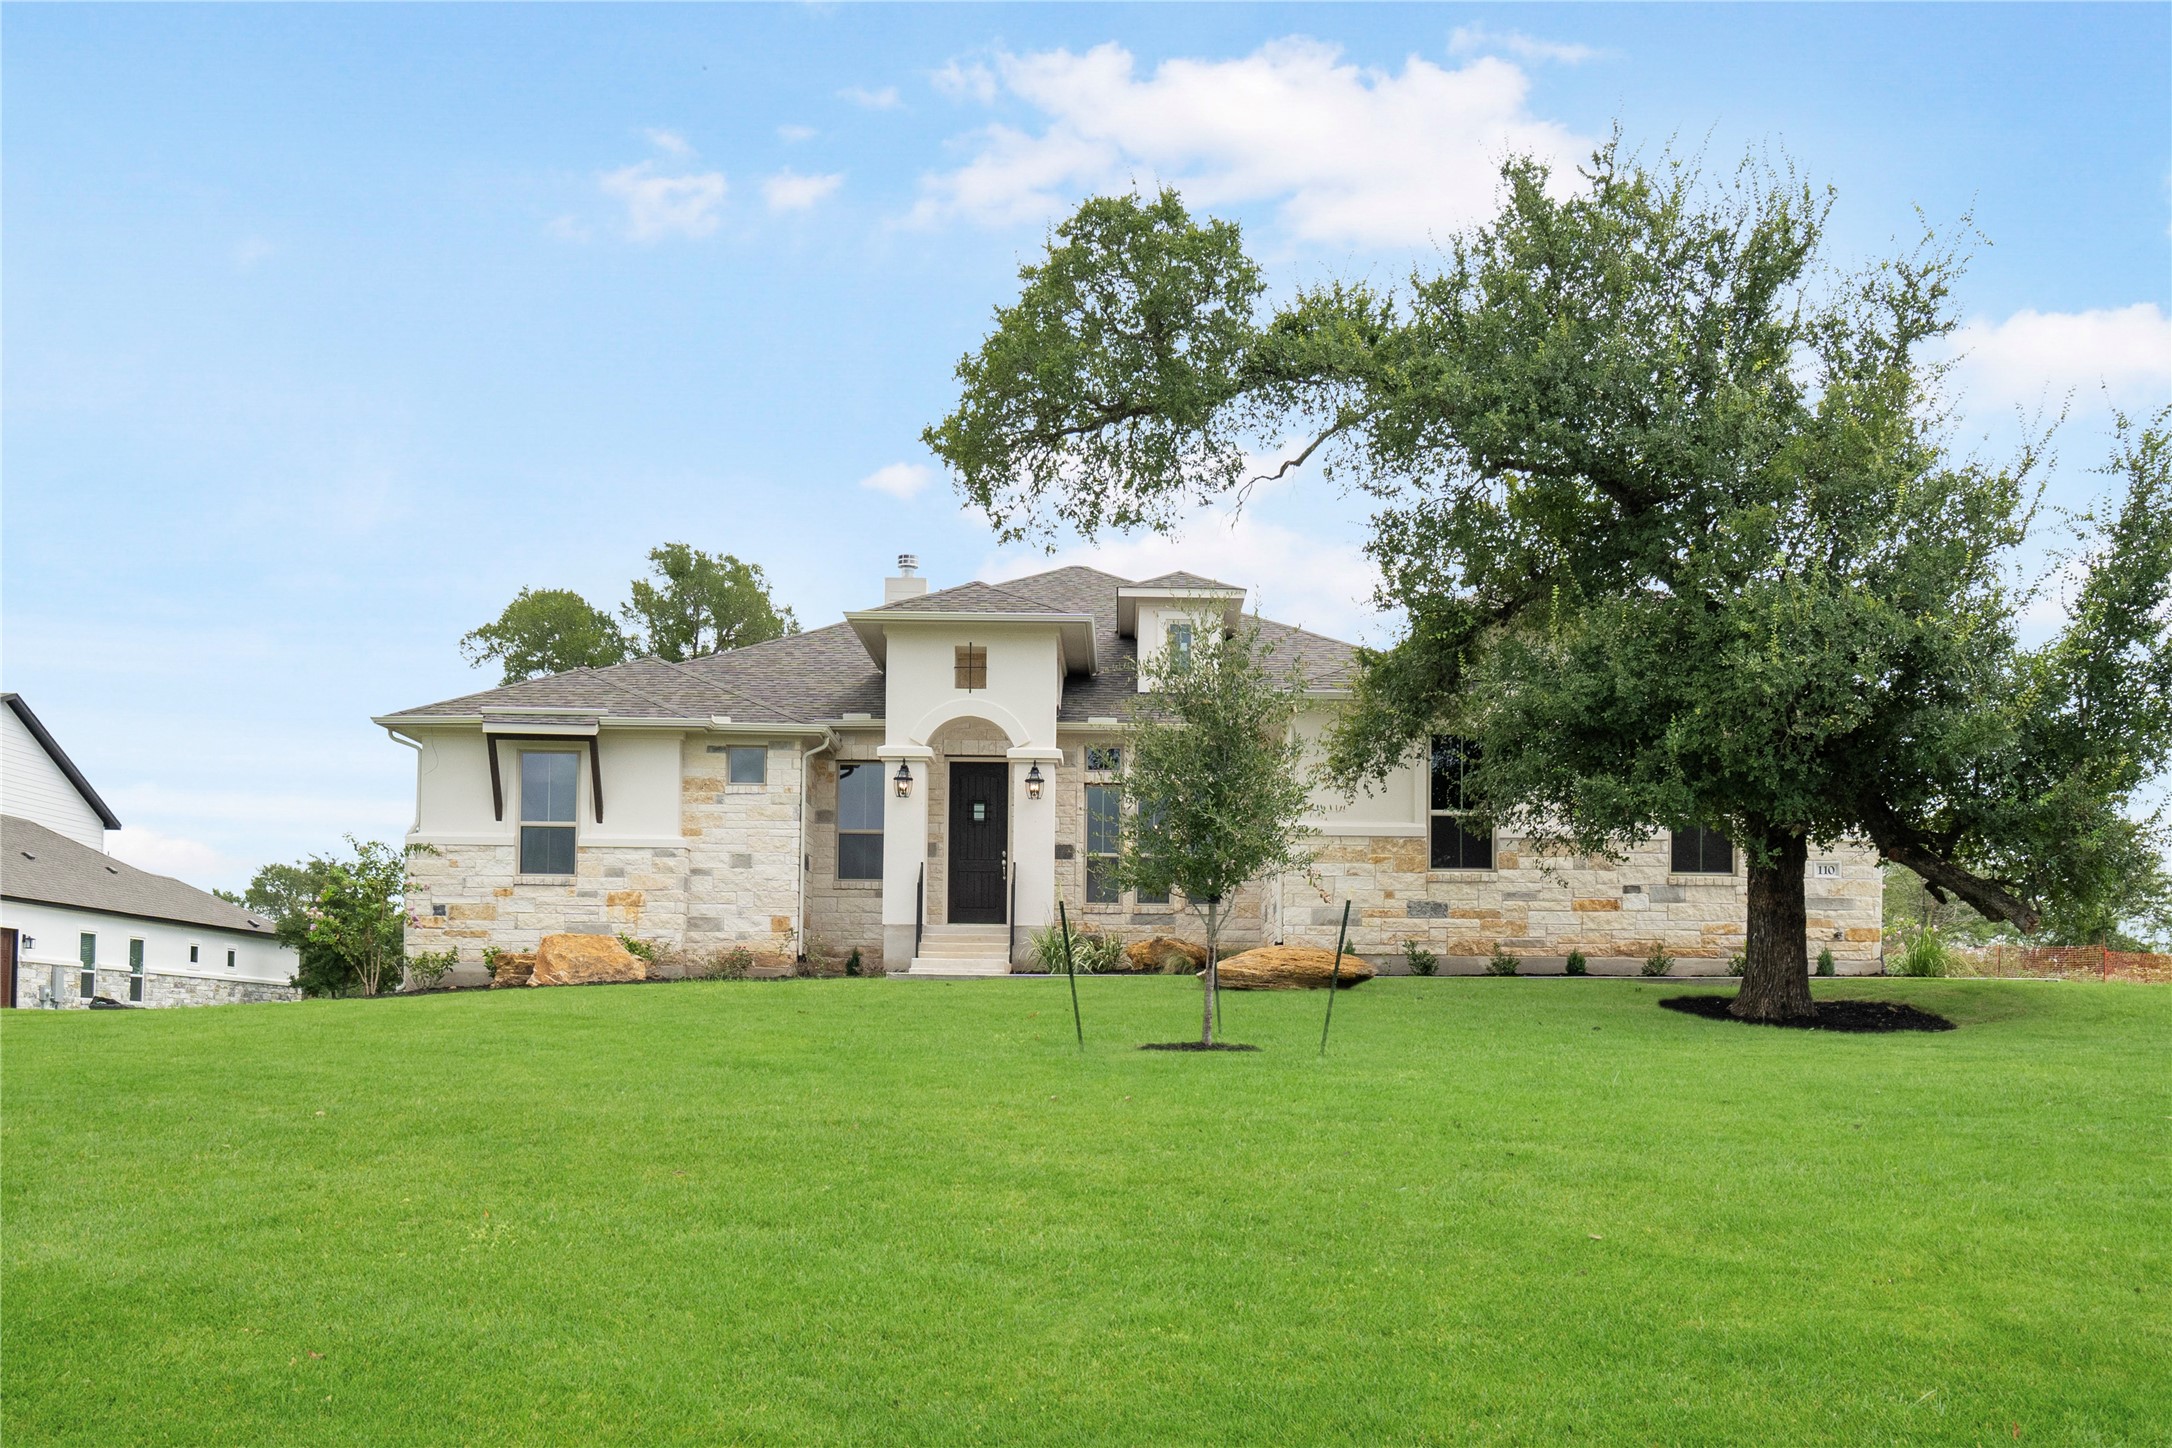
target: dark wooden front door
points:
(7, 968)
(979, 837)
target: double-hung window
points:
(135, 970)
(1699, 851)
(1456, 845)
(1103, 801)
(1180, 646)
(86, 954)
(859, 820)
(549, 780)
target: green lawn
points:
(888, 1212)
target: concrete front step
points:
(957, 967)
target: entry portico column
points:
(904, 848)
(1033, 842)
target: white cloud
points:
(1478, 39)
(1350, 153)
(2038, 358)
(875, 100)
(191, 860)
(790, 191)
(658, 205)
(971, 81)
(900, 480)
(796, 133)
(670, 142)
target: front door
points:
(979, 839)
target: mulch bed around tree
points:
(1196, 1046)
(1860, 1016)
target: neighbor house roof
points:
(819, 676)
(45, 868)
(60, 758)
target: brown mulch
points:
(1196, 1046)
(1854, 1016)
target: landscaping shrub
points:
(852, 963)
(1658, 962)
(426, 969)
(1091, 953)
(1924, 955)
(1502, 963)
(646, 949)
(1825, 961)
(1422, 961)
(1577, 964)
(1738, 963)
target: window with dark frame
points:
(192, 955)
(549, 782)
(747, 764)
(1103, 801)
(972, 666)
(230, 960)
(86, 954)
(1104, 758)
(859, 820)
(1699, 851)
(1455, 845)
(135, 970)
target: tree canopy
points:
(695, 603)
(1668, 505)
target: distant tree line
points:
(692, 604)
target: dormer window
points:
(972, 666)
(1180, 646)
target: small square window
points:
(971, 666)
(749, 764)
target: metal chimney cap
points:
(907, 562)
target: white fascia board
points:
(711, 722)
(1128, 600)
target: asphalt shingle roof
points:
(50, 869)
(825, 673)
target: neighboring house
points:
(76, 923)
(923, 781)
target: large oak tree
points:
(1669, 506)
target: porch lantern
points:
(904, 779)
(1033, 782)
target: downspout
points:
(799, 873)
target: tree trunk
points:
(1206, 1014)
(1776, 982)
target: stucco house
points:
(77, 924)
(923, 781)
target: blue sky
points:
(328, 328)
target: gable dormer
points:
(1164, 612)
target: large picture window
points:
(548, 784)
(859, 821)
(1102, 803)
(1456, 844)
(1699, 851)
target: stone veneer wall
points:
(842, 915)
(159, 988)
(732, 881)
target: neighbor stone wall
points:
(159, 988)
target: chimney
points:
(907, 584)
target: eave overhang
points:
(1074, 631)
(1229, 602)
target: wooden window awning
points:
(492, 738)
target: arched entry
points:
(973, 776)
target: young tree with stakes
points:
(1668, 508)
(1214, 780)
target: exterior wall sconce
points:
(904, 780)
(1033, 782)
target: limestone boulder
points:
(513, 968)
(585, 960)
(1164, 955)
(1290, 967)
